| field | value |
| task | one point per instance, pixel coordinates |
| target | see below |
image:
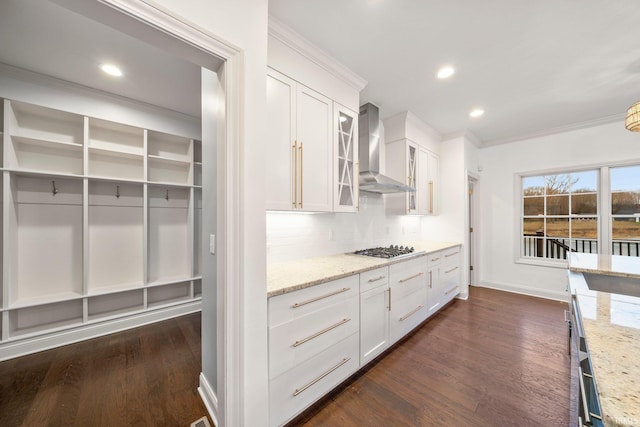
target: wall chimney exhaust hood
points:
(371, 179)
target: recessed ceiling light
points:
(445, 72)
(477, 112)
(111, 69)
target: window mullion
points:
(604, 212)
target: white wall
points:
(599, 145)
(243, 23)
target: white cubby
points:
(168, 294)
(46, 240)
(100, 220)
(170, 234)
(115, 236)
(117, 304)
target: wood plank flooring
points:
(146, 376)
(499, 359)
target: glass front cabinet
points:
(346, 169)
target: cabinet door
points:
(433, 289)
(374, 323)
(422, 189)
(315, 150)
(280, 152)
(412, 175)
(346, 161)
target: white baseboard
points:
(209, 398)
(526, 290)
(22, 347)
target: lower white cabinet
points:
(408, 296)
(375, 303)
(434, 292)
(450, 277)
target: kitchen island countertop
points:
(612, 328)
(284, 277)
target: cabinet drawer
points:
(294, 305)
(407, 313)
(449, 282)
(374, 278)
(408, 277)
(434, 259)
(295, 390)
(451, 256)
(294, 342)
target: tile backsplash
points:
(292, 236)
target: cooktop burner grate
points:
(392, 251)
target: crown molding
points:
(555, 130)
(314, 54)
(466, 134)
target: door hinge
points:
(470, 229)
(471, 267)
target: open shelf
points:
(170, 147)
(115, 236)
(43, 318)
(168, 294)
(116, 137)
(45, 124)
(33, 154)
(169, 170)
(115, 164)
(197, 288)
(115, 305)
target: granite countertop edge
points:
(282, 278)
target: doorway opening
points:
(472, 187)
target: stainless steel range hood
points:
(371, 179)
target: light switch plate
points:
(212, 244)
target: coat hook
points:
(54, 190)
(167, 195)
(117, 191)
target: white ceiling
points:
(534, 66)
(46, 38)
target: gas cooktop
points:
(393, 251)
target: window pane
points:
(533, 186)
(558, 227)
(626, 236)
(584, 204)
(533, 225)
(625, 190)
(533, 206)
(584, 182)
(558, 205)
(584, 228)
(558, 184)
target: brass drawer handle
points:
(435, 259)
(376, 279)
(448, 255)
(317, 334)
(410, 277)
(411, 313)
(324, 374)
(449, 271)
(451, 290)
(309, 301)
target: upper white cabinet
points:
(346, 159)
(411, 157)
(300, 149)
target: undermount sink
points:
(613, 284)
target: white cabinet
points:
(418, 167)
(300, 149)
(433, 282)
(375, 304)
(313, 344)
(408, 296)
(450, 276)
(100, 220)
(346, 159)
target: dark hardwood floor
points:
(499, 359)
(146, 376)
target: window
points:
(625, 210)
(559, 214)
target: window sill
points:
(564, 264)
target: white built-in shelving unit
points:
(100, 220)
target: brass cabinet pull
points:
(448, 255)
(389, 299)
(431, 197)
(410, 277)
(411, 313)
(449, 271)
(301, 176)
(309, 301)
(430, 279)
(435, 259)
(324, 374)
(295, 173)
(317, 334)
(451, 290)
(376, 279)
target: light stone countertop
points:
(284, 277)
(609, 265)
(612, 329)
